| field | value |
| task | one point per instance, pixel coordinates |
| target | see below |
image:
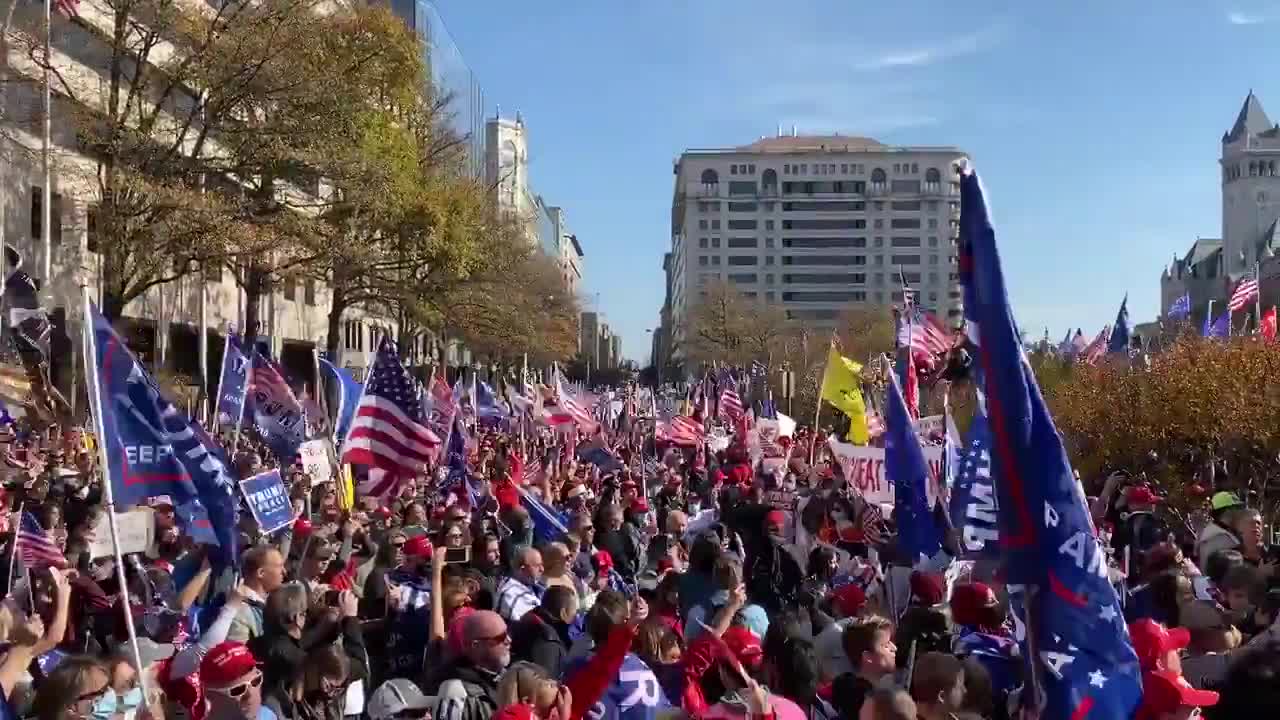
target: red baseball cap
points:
(226, 663)
(1164, 692)
(1141, 494)
(775, 518)
(849, 600)
(1151, 641)
(518, 711)
(417, 547)
(744, 645)
(602, 560)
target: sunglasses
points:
(496, 639)
(238, 691)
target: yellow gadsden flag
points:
(842, 387)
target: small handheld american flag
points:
(35, 546)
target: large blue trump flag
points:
(152, 447)
(1080, 660)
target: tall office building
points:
(815, 224)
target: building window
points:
(742, 260)
(715, 243)
(768, 279)
(768, 224)
(710, 181)
(703, 260)
(905, 242)
(879, 223)
(768, 260)
(906, 186)
(933, 278)
(933, 223)
(751, 169)
(290, 289)
(742, 225)
(933, 259)
(906, 223)
(879, 259)
(743, 242)
(715, 224)
(733, 169)
(879, 242)
(905, 259)
(933, 241)
(715, 259)
(702, 224)
(742, 187)
(702, 243)
(768, 242)
(309, 292)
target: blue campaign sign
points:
(268, 500)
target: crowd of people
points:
(679, 585)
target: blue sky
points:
(1095, 124)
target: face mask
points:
(105, 706)
(130, 703)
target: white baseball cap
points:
(394, 697)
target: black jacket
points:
(282, 657)
(542, 640)
(478, 699)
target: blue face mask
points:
(104, 706)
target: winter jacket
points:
(1212, 539)
(541, 639)
(465, 692)
(283, 657)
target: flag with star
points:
(973, 501)
(389, 431)
(1080, 662)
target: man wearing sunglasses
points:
(468, 689)
(233, 684)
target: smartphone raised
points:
(457, 555)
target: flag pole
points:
(13, 549)
(95, 405)
(244, 395)
(217, 398)
(1257, 299)
(817, 407)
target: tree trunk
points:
(338, 306)
(256, 285)
(112, 305)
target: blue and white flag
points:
(1080, 661)
(634, 693)
(487, 407)
(459, 479)
(348, 398)
(233, 388)
(549, 524)
(904, 466)
(152, 447)
(1180, 308)
(973, 501)
(276, 411)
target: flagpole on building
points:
(1257, 299)
(95, 405)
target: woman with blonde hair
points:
(525, 683)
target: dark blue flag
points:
(634, 693)
(233, 388)
(1080, 661)
(1220, 328)
(152, 447)
(549, 525)
(906, 468)
(487, 407)
(973, 500)
(1180, 308)
(348, 398)
(459, 479)
(1119, 341)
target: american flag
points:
(682, 430)
(68, 8)
(923, 333)
(730, 405)
(389, 431)
(872, 522)
(35, 547)
(1245, 293)
(573, 406)
(1096, 349)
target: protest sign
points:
(137, 532)
(268, 500)
(863, 467)
(930, 426)
(315, 461)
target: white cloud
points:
(1235, 17)
(959, 46)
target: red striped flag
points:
(730, 405)
(682, 430)
(1096, 349)
(573, 406)
(35, 547)
(389, 431)
(924, 334)
(1245, 293)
